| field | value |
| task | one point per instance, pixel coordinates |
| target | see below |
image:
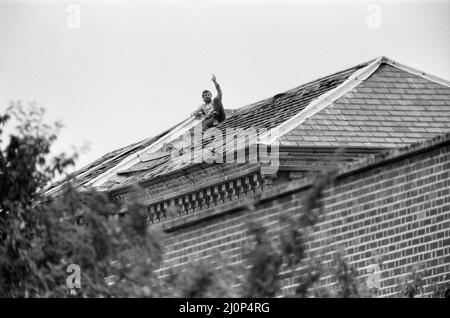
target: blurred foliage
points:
(41, 236)
(270, 263)
(119, 256)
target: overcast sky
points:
(116, 72)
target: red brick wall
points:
(391, 210)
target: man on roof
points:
(211, 112)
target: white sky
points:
(135, 68)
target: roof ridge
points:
(414, 71)
(323, 101)
(356, 67)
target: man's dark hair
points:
(205, 91)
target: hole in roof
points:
(306, 92)
(279, 95)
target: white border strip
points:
(323, 101)
(416, 72)
(134, 158)
(55, 189)
(331, 96)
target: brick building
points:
(385, 126)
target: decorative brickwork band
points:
(208, 197)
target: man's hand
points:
(214, 79)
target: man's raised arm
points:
(219, 91)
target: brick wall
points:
(391, 209)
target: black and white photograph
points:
(225, 157)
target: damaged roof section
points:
(266, 114)
(80, 177)
(374, 105)
(273, 111)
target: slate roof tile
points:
(392, 105)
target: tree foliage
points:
(40, 236)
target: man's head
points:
(206, 96)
